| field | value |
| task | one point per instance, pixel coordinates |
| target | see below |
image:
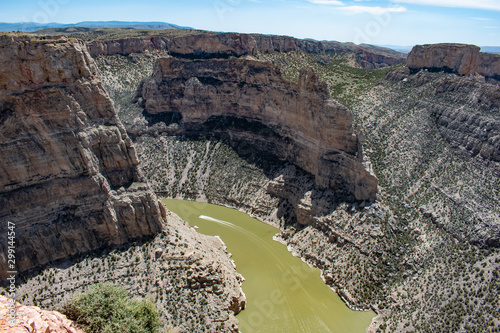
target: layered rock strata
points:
(466, 114)
(69, 179)
(250, 101)
(474, 126)
(460, 59)
(223, 45)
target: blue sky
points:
(397, 22)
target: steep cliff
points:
(488, 65)
(68, 173)
(223, 45)
(250, 101)
(460, 59)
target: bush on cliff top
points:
(106, 308)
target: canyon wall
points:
(474, 126)
(250, 101)
(461, 59)
(69, 179)
(465, 112)
(223, 45)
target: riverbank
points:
(276, 281)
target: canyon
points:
(394, 196)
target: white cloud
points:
(327, 2)
(373, 10)
(477, 4)
(490, 27)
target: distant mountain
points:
(135, 25)
(28, 26)
(32, 26)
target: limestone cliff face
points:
(205, 45)
(250, 101)
(488, 65)
(68, 173)
(461, 59)
(456, 58)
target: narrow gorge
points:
(384, 178)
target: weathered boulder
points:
(251, 101)
(31, 319)
(69, 177)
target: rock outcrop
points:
(69, 179)
(250, 101)
(465, 112)
(31, 319)
(454, 58)
(474, 126)
(223, 45)
(461, 59)
(488, 65)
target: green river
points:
(283, 293)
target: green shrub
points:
(107, 308)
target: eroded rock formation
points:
(489, 65)
(250, 101)
(460, 59)
(223, 45)
(69, 179)
(31, 319)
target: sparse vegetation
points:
(107, 308)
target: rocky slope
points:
(475, 126)
(250, 101)
(209, 45)
(189, 276)
(433, 147)
(466, 114)
(32, 319)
